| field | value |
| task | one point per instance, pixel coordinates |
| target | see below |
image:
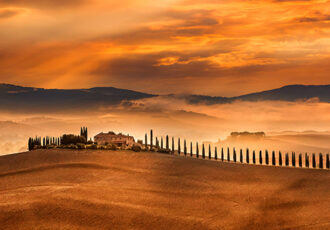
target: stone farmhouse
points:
(120, 140)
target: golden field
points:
(86, 189)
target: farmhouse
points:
(119, 140)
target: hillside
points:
(64, 189)
(286, 93)
(17, 98)
(48, 100)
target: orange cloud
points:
(165, 46)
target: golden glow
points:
(179, 45)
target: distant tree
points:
(247, 156)
(327, 163)
(280, 158)
(151, 139)
(273, 158)
(191, 149)
(197, 150)
(157, 143)
(306, 160)
(167, 143)
(222, 154)
(161, 143)
(300, 160)
(210, 152)
(203, 151)
(286, 159)
(241, 155)
(293, 159)
(228, 154)
(215, 153)
(314, 160)
(43, 141)
(185, 148)
(320, 161)
(83, 133)
(254, 157)
(68, 139)
(173, 148)
(234, 155)
(34, 142)
(146, 141)
(266, 157)
(260, 157)
(179, 146)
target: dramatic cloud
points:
(212, 47)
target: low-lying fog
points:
(175, 117)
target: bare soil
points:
(66, 189)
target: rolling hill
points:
(14, 98)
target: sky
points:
(212, 47)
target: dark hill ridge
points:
(18, 98)
(286, 93)
(13, 97)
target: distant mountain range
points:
(286, 93)
(14, 98)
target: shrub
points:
(167, 151)
(68, 139)
(136, 148)
(81, 146)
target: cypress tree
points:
(215, 153)
(254, 157)
(300, 160)
(210, 152)
(280, 158)
(314, 160)
(327, 163)
(179, 146)
(273, 158)
(161, 143)
(241, 155)
(320, 161)
(228, 154)
(167, 143)
(247, 156)
(286, 159)
(266, 157)
(151, 139)
(293, 159)
(197, 150)
(157, 143)
(43, 141)
(184, 148)
(203, 151)
(234, 155)
(222, 154)
(29, 144)
(173, 148)
(191, 149)
(260, 157)
(146, 141)
(306, 160)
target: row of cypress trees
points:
(263, 159)
(38, 141)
